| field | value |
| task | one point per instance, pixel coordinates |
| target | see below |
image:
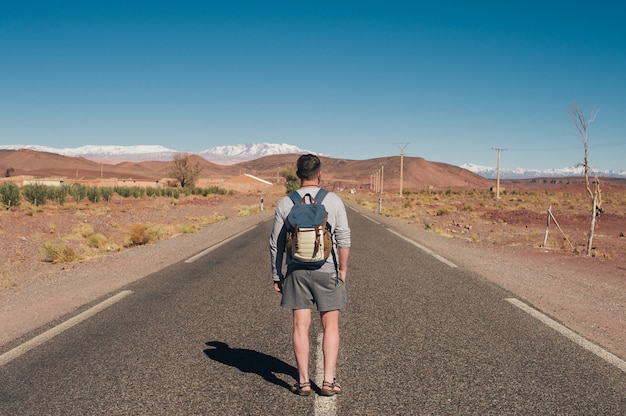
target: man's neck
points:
(309, 184)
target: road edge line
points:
(213, 247)
(571, 335)
(51, 333)
(425, 249)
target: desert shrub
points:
(35, 193)
(54, 253)
(153, 192)
(10, 194)
(409, 202)
(84, 230)
(123, 191)
(445, 211)
(139, 234)
(215, 190)
(597, 254)
(78, 192)
(142, 234)
(107, 193)
(467, 208)
(93, 194)
(189, 228)
(171, 192)
(138, 191)
(60, 194)
(246, 211)
(98, 241)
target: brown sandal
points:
(297, 388)
(334, 388)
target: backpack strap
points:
(320, 195)
(297, 199)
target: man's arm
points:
(344, 254)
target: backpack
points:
(309, 238)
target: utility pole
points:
(499, 150)
(376, 181)
(401, 146)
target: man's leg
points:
(330, 345)
(301, 325)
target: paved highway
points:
(206, 336)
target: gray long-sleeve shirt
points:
(337, 219)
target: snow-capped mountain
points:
(228, 155)
(223, 155)
(520, 173)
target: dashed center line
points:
(324, 406)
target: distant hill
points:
(231, 155)
(418, 173)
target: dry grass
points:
(248, 210)
(57, 253)
(518, 218)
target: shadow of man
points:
(250, 361)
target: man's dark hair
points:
(308, 166)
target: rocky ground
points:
(502, 246)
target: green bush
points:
(9, 194)
(93, 194)
(123, 191)
(35, 193)
(107, 193)
(153, 192)
(78, 192)
(60, 194)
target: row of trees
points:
(182, 170)
(38, 194)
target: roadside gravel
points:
(586, 295)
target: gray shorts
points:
(304, 288)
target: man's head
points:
(308, 167)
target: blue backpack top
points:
(309, 238)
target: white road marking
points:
(210, 249)
(51, 333)
(371, 219)
(324, 406)
(571, 335)
(427, 250)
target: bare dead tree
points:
(183, 170)
(581, 122)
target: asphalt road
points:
(207, 337)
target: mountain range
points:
(223, 155)
(230, 155)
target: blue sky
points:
(351, 79)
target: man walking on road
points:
(303, 287)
